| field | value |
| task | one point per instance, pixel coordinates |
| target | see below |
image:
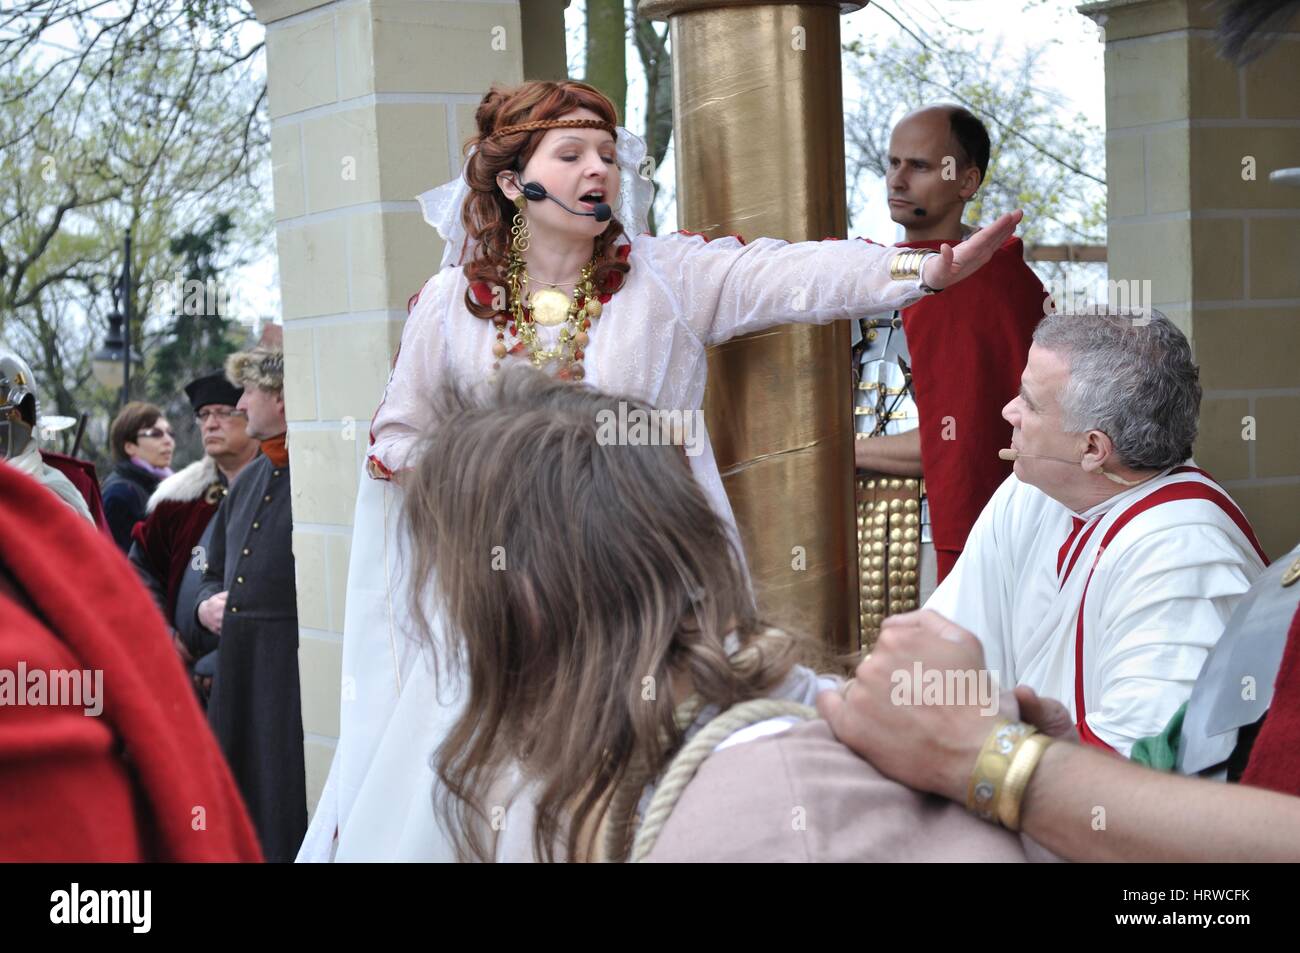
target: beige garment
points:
(802, 796)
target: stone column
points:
(370, 102)
(759, 126)
(1190, 142)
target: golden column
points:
(759, 126)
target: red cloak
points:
(142, 780)
(1275, 757)
(968, 345)
(81, 473)
(179, 512)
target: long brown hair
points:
(487, 213)
(578, 580)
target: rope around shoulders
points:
(693, 754)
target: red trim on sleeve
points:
(682, 231)
(855, 238)
(376, 467)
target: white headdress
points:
(442, 206)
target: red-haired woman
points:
(543, 275)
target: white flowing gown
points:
(681, 296)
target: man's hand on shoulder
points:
(895, 723)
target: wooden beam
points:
(1065, 253)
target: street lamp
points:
(112, 362)
(108, 360)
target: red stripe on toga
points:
(1065, 547)
(1186, 490)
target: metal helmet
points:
(17, 404)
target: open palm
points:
(955, 262)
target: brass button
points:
(256, 524)
(239, 579)
(247, 551)
(1292, 573)
(275, 473)
(267, 498)
(234, 608)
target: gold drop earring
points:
(519, 234)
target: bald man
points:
(930, 381)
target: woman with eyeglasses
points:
(143, 443)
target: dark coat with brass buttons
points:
(256, 706)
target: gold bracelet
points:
(1023, 762)
(989, 777)
(906, 265)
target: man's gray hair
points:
(1132, 378)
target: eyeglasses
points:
(157, 432)
(221, 413)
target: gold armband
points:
(988, 779)
(1023, 763)
(906, 265)
(1002, 771)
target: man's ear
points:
(970, 182)
(1097, 451)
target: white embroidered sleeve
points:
(418, 370)
(726, 288)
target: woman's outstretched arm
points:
(726, 288)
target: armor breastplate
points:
(882, 395)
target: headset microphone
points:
(1011, 453)
(535, 192)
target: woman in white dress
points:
(641, 312)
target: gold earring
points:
(520, 238)
(520, 201)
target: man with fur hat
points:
(169, 546)
(247, 599)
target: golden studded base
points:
(889, 549)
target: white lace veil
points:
(442, 206)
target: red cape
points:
(82, 475)
(969, 344)
(1275, 757)
(143, 780)
(167, 538)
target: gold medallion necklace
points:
(549, 307)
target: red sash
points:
(1168, 493)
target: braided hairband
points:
(555, 124)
